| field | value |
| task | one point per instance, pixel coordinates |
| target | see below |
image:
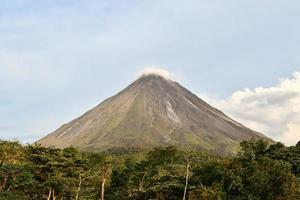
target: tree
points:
(259, 172)
(105, 172)
(56, 171)
(188, 161)
(214, 192)
(253, 175)
(14, 174)
(11, 152)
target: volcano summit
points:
(153, 111)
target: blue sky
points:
(59, 58)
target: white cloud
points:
(157, 71)
(274, 111)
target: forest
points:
(260, 171)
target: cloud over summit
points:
(157, 71)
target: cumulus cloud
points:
(157, 71)
(274, 111)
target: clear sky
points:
(59, 58)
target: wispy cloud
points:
(6, 128)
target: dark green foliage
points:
(14, 195)
(209, 173)
(259, 172)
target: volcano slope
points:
(153, 111)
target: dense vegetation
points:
(259, 171)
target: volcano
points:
(153, 111)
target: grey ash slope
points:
(152, 111)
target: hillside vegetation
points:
(258, 172)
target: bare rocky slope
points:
(153, 111)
